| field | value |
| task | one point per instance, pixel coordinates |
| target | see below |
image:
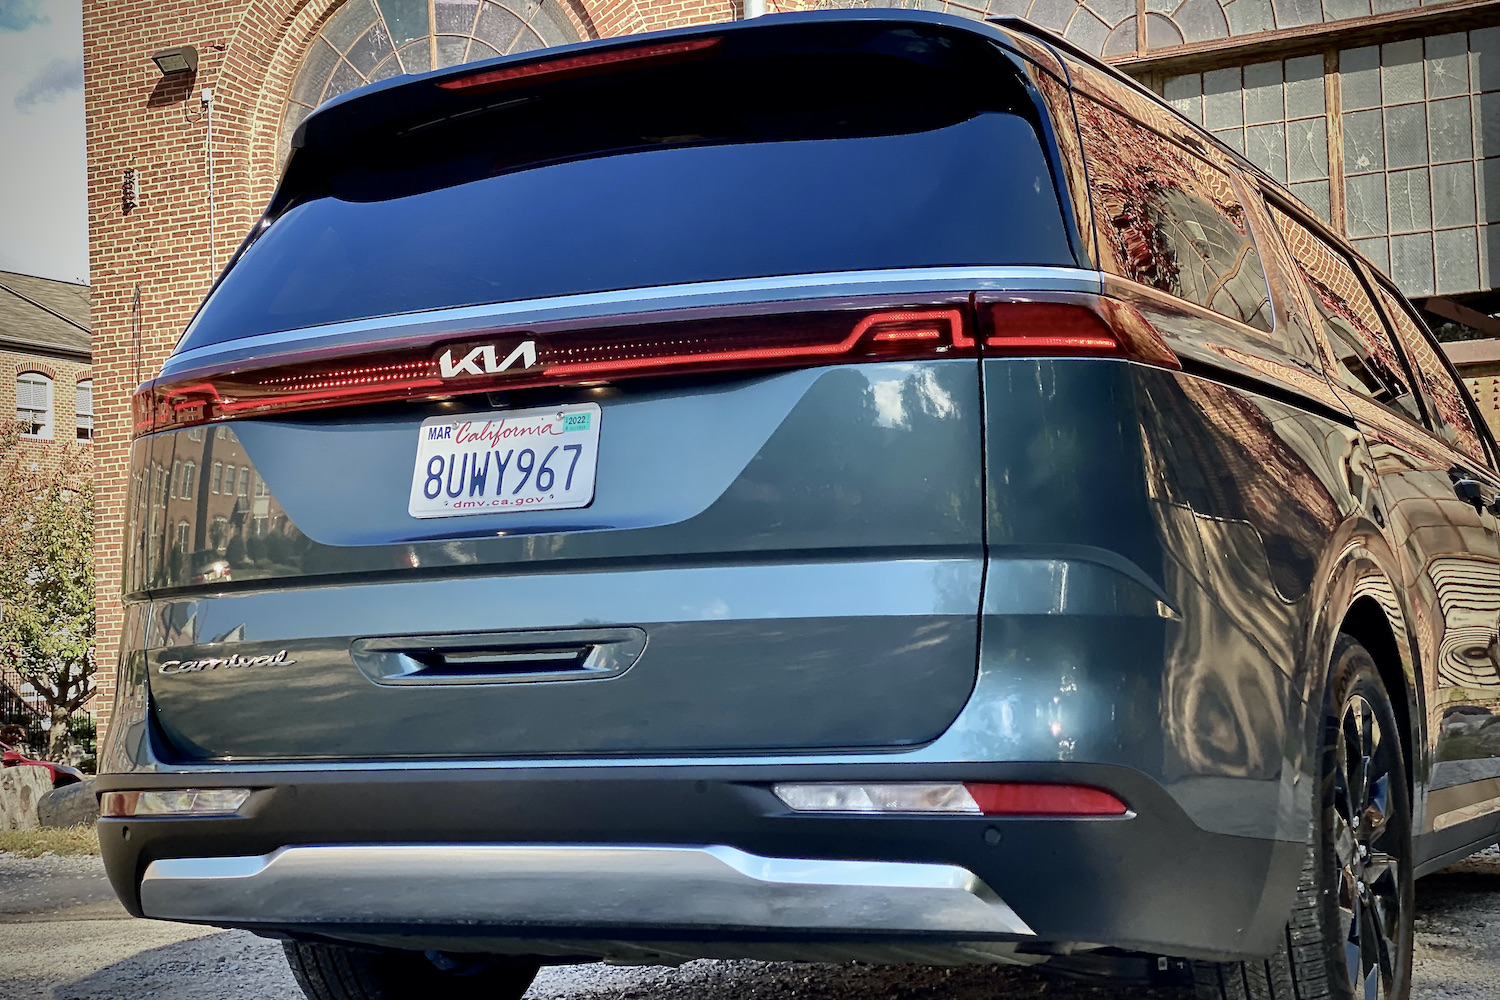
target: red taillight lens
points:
(570, 67)
(1089, 325)
(1021, 799)
(950, 798)
(561, 355)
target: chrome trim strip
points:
(1453, 817)
(470, 319)
(605, 887)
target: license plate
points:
(495, 463)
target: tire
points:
(1350, 935)
(333, 972)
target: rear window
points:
(902, 153)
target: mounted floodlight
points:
(179, 59)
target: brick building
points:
(1383, 114)
(45, 379)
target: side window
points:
(1169, 219)
(1361, 353)
(1452, 420)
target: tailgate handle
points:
(498, 657)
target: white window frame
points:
(35, 382)
(84, 409)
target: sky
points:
(43, 172)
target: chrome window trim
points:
(460, 320)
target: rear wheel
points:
(333, 972)
(1350, 936)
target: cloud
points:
(55, 81)
(18, 15)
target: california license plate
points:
(494, 463)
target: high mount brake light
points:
(570, 67)
(562, 354)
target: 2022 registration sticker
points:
(510, 460)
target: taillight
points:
(957, 798)
(1089, 325)
(560, 354)
(681, 342)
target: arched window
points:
(34, 405)
(85, 410)
(369, 40)
(189, 480)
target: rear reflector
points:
(571, 67)
(969, 798)
(173, 802)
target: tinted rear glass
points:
(735, 168)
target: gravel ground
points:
(65, 939)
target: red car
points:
(61, 774)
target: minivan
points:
(848, 486)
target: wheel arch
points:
(1368, 623)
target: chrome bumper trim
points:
(608, 888)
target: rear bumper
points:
(602, 861)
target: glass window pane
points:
(1450, 133)
(455, 17)
(314, 74)
(1359, 77)
(1307, 149)
(1457, 257)
(1410, 201)
(1233, 138)
(405, 19)
(1263, 95)
(1484, 59)
(1364, 142)
(1314, 194)
(497, 27)
(1448, 65)
(1406, 136)
(372, 47)
(1265, 145)
(1378, 251)
(1222, 99)
(1488, 188)
(1487, 124)
(1364, 205)
(349, 23)
(1304, 86)
(1453, 195)
(1411, 263)
(1401, 71)
(1185, 93)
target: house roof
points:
(47, 316)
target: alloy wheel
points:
(1367, 843)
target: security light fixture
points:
(179, 59)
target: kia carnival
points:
(846, 486)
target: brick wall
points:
(151, 265)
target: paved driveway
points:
(66, 939)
